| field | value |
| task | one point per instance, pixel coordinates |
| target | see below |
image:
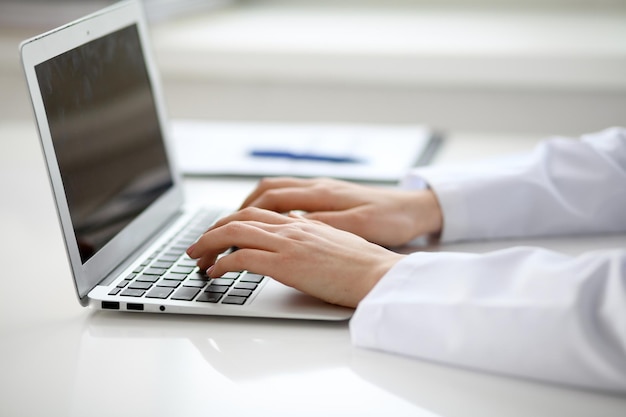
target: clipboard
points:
(358, 152)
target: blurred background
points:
(535, 67)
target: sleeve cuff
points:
(450, 197)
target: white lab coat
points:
(521, 311)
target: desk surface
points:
(59, 359)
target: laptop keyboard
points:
(170, 274)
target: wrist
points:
(434, 217)
(378, 272)
(428, 214)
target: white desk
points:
(59, 359)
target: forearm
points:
(524, 312)
(564, 187)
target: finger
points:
(257, 261)
(275, 239)
(306, 199)
(274, 183)
(240, 234)
(218, 244)
(251, 214)
(349, 220)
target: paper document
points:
(348, 151)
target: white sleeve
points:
(565, 186)
(521, 311)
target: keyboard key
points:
(182, 270)
(123, 284)
(198, 276)
(174, 277)
(147, 278)
(162, 264)
(191, 263)
(168, 283)
(175, 252)
(246, 286)
(231, 275)
(240, 293)
(187, 259)
(159, 292)
(185, 293)
(234, 300)
(209, 297)
(154, 271)
(217, 288)
(256, 278)
(115, 290)
(132, 293)
(138, 285)
(187, 240)
(194, 284)
(222, 281)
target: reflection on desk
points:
(231, 365)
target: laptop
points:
(100, 114)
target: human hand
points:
(389, 217)
(315, 258)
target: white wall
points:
(478, 68)
(556, 67)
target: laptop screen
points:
(106, 135)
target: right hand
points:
(313, 257)
(388, 217)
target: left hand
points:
(389, 217)
(331, 264)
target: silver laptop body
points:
(98, 105)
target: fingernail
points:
(190, 249)
(211, 268)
